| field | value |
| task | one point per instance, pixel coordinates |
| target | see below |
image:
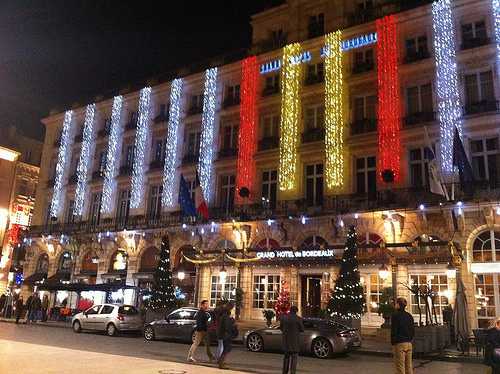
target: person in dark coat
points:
(19, 308)
(3, 301)
(226, 331)
(402, 333)
(29, 306)
(201, 332)
(291, 326)
(36, 308)
(493, 342)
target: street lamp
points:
(383, 272)
(223, 274)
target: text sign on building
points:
(288, 254)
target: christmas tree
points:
(347, 300)
(163, 293)
(282, 305)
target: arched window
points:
(42, 266)
(486, 247)
(118, 262)
(65, 262)
(313, 241)
(267, 243)
(89, 263)
(149, 259)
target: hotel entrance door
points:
(311, 295)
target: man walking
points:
(402, 333)
(291, 327)
(201, 332)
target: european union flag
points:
(185, 201)
(461, 161)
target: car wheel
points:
(255, 343)
(77, 327)
(321, 348)
(149, 333)
(111, 330)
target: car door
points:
(89, 317)
(310, 329)
(104, 317)
(272, 338)
(180, 323)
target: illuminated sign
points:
(289, 254)
(270, 66)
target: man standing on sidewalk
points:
(201, 332)
(291, 326)
(402, 333)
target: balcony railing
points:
(156, 165)
(314, 79)
(475, 42)
(270, 90)
(481, 107)
(195, 109)
(364, 126)
(190, 158)
(363, 67)
(228, 152)
(420, 117)
(417, 56)
(267, 143)
(231, 101)
(313, 135)
(125, 170)
(72, 179)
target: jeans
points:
(290, 362)
(403, 358)
(200, 336)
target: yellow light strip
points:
(7, 154)
(334, 111)
(289, 125)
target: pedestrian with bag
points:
(291, 326)
(226, 331)
(201, 332)
(402, 333)
(492, 349)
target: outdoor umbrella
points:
(460, 316)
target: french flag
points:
(199, 200)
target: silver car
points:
(322, 338)
(111, 318)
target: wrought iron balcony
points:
(470, 43)
(270, 142)
(228, 152)
(420, 117)
(364, 126)
(270, 90)
(417, 56)
(363, 67)
(231, 101)
(483, 106)
(314, 79)
(313, 135)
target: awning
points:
(79, 287)
(33, 278)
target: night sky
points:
(55, 53)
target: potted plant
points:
(238, 301)
(268, 315)
(386, 306)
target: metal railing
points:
(481, 107)
(470, 43)
(364, 126)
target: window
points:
(474, 34)
(229, 136)
(93, 310)
(128, 310)
(219, 290)
(364, 4)
(438, 284)
(42, 266)
(227, 192)
(487, 287)
(154, 203)
(232, 95)
(107, 309)
(366, 175)
(372, 286)
(419, 99)
(363, 61)
(479, 88)
(268, 244)
(159, 151)
(101, 167)
(416, 48)
(272, 84)
(315, 73)
(265, 291)
(315, 117)
(485, 157)
(365, 107)
(314, 184)
(129, 155)
(277, 37)
(269, 187)
(193, 143)
(95, 209)
(270, 126)
(183, 314)
(316, 25)
(486, 247)
(70, 218)
(123, 206)
(196, 104)
(419, 167)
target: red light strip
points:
(389, 117)
(247, 138)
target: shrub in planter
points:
(268, 315)
(386, 306)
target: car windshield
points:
(128, 310)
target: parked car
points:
(111, 318)
(321, 338)
(178, 325)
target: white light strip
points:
(62, 159)
(208, 132)
(141, 142)
(495, 4)
(482, 268)
(82, 170)
(169, 168)
(448, 97)
(114, 150)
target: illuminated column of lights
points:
(448, 97)
(141, 142)
(289, 125)
(169, 172)
(495, 4)
(334, 111)
(82, 169)
(247, 137)
(389, 117)
(208, 131)
(112, 154)
(62, 161)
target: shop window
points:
(372, 286)
(313, 242)
(268, 243)
(265, 291)
(88, 264)
(222, 290)
(65, 262)
(42, 266)
(439, 285)
(118, 262)
(486, 247)
(487, 288)
(149, 259)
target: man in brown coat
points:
(291, 326)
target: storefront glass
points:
(438, 283)
(265, 291)
(222, 290)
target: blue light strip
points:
(62, 160)
(495, 4)
(169, 169)
(447, 90)
(141, 142)
(208, 132)
(82, 170)
(112, 154)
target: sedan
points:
(322, 338)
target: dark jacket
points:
(29, 302)
(36, 304)
(402, 327)
(226, 327)
(201, 320)
(19, 306)
(291, 325)
(492, 342)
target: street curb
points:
(44, 324)
(445, 358)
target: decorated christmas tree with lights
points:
(282, 305)
(347, 300)
(163, 293)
